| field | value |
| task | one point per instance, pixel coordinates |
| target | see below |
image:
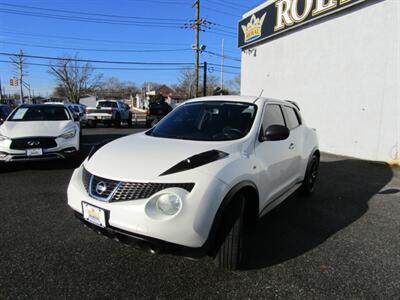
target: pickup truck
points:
(156, 112)
(109, 112)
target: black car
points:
(5, 110)
(157, 111)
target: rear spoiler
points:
(294, 103)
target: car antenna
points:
(262, 91)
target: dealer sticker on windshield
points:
(94, 215)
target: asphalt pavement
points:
(343, 242)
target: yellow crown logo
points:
(253, 29)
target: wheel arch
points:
(250, 190)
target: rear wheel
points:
(231, 234)
(311, 176)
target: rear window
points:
(107, 104)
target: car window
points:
(207, 121)
(272, 116)
(40, 113)
(291, 117)
(107, 104)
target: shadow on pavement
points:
(300, 224)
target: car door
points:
(293, 121)
(275, 158)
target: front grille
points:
(126, 191)
(133, 190)
(33, 142)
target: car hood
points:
(143, 158)
(37, 128)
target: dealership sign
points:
(283, 15)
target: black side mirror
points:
(276, 133)
(76, 117)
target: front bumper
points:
(65, 149)
(187, 232)
(66, 153)
(145, 243)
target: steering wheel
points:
(231, 130)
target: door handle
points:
(291, 147)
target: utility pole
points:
(18, 61)
(205, 79)
(1, 91)
(21, 76)
(197, 45)
(222, 65)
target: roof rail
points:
(293, 103)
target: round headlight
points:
(169, 204)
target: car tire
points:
(311, 175)
(117, 121)
(91, 123)
(129, 121)
(229, 254)
(80, 140)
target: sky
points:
(118, 30)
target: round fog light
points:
(169, 204)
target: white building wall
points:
(345, 74)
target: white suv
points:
(191, 184)
(39, 132)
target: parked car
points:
(205, 173)
(109, 112)
(39, 132)
(78, 111)
(5, 110)
(156, 111)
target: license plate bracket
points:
(34, 152)
(94, 215)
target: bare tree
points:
(74, 78)
(114, 88)
(233, 85)
(186, 83)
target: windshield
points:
(107, 104)
(40, 113)
(207, 121)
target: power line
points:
(87, 13)
(227, 4)
(29, 34)
(104, 68)
(98, 61)
(225, 66)
(220, 11)
(98, 50)
(92, 20)
(225, 56)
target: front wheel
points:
(229, 254)
(311, 175)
